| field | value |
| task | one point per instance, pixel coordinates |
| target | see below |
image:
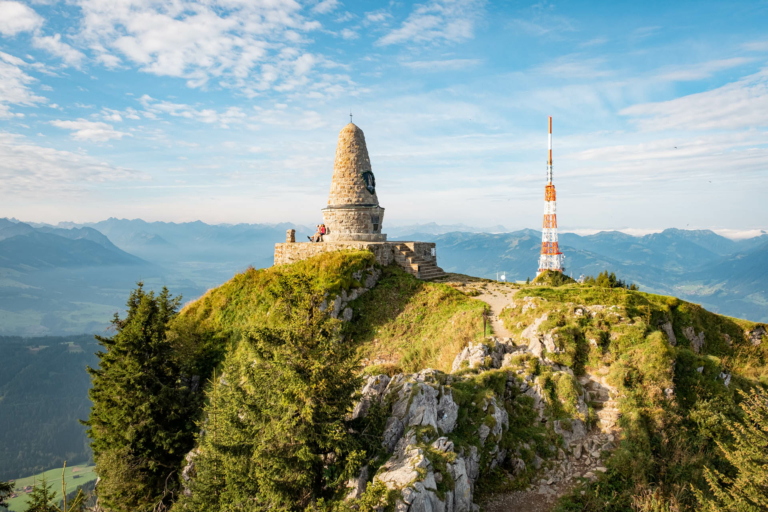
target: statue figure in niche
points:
(370, 181)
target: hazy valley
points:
(71, 278)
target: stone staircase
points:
(603, 398)
(416, 266)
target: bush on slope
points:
(275, 435)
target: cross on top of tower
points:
(350, 116)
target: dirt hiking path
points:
(496, 295)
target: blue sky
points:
(229, 110)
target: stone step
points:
(432, 275)
(416, 266)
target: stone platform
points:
(417, 258)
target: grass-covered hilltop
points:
(338, 384)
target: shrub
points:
(744, 485)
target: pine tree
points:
(41, 498)
(6, 489)
(745, 489)
(275, 434)
(144, 407)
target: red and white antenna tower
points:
(551, 258)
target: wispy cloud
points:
(738, 105)
(14, 86)
(644, 32)
(597, 41)
(441, 65)
(700, 70)
(242, 44)
(576, 66)
(542, 19)
(55, 46)
(225, 118)
(437, 21)
(85, 130)
(27, 168)
(756, 46)
(379, 16)
(326, 6)
(16, 17)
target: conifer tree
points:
(746, 488)
(6, 489)
(144, 407)
(275, 433)
(41, 498)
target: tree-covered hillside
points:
(43, 394)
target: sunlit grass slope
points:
(407, 323)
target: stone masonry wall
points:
(348, 187)
(386, 253)
(346, 224)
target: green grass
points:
(413, 324)
(248, 299)
(83, 473)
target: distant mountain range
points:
(71, 278)
(23, 247)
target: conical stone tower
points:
(353, 217)
(353, 212)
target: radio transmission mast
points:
(551, 258)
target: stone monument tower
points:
(353, 217)
(353, 212)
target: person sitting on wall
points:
(316, 236)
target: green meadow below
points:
(74, 477)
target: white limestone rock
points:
(373, 391)
(357, 485)
(667, 328)
(697, 340)
(447, 412)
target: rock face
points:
(538, 343)
(485, 355)
(697, 340)
(667, 328)
(755, 336)
(419, 455)
(369, 278)
(423, 414)
(373, 391)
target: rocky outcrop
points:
(423, 411)
(373, 392)
(339, 304)
(490, 354)
(755, 336)
(603, 397)
(538, 343)
(667, 328)
(696, 340)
